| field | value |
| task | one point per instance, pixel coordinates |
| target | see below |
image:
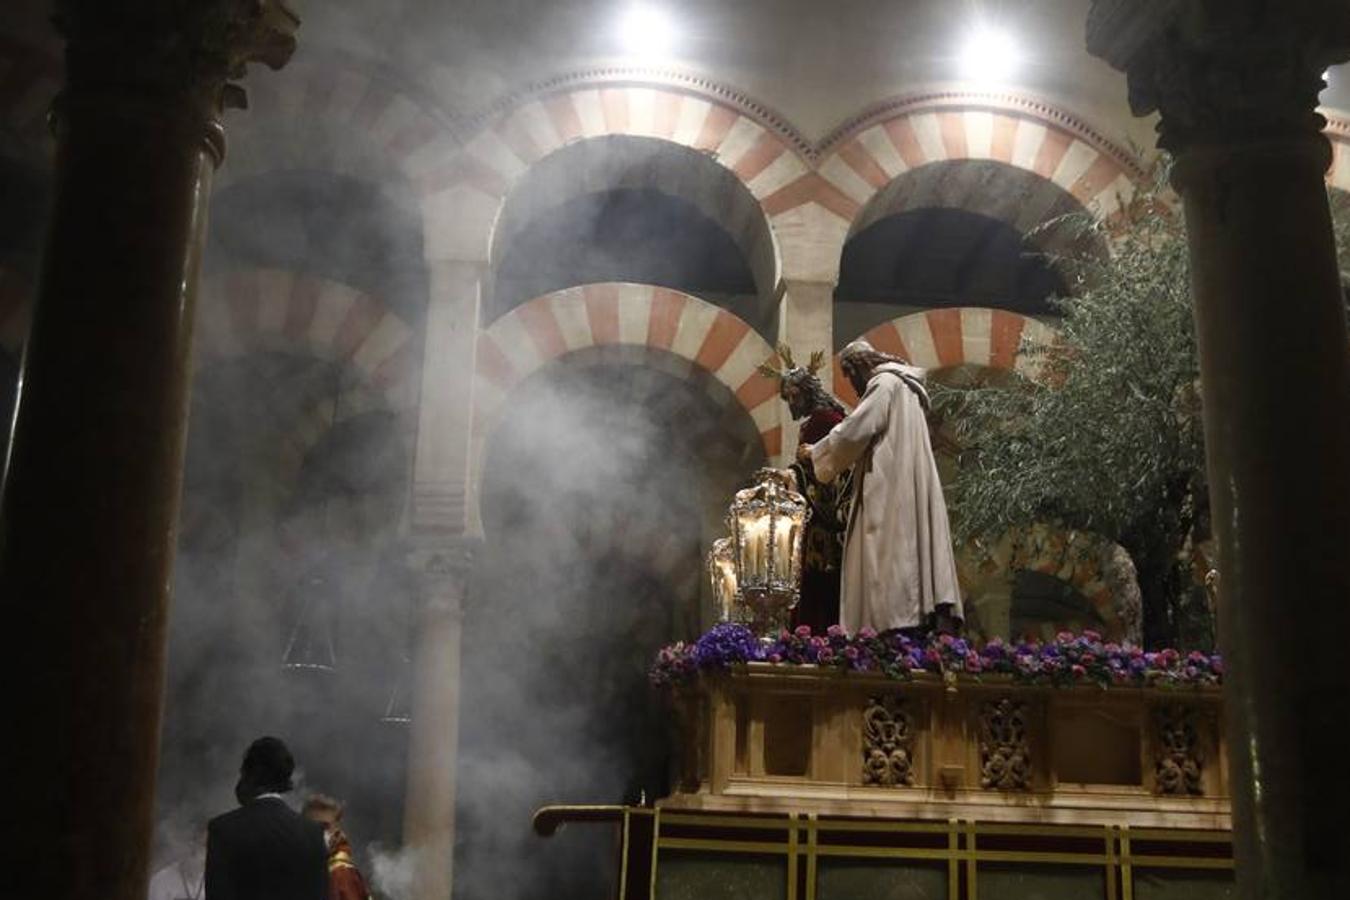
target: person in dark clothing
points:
(822, 543)
(264, 850)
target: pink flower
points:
(1088, 659)
(866, 633)
(851, 652)
(1091, 635)
(1064, 637)
(775, 657)
(825, 655)
(835, 631)
(1077, 671)
(803, 631)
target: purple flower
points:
(1066, 660)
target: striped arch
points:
(29, 79)
(1098, 569)
(967, 335)
(711, 339)
(345, 120)
(865, 155)
(470, 188)
(273, 309)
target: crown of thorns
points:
(784, 356)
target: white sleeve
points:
(848, 441)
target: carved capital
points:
(1223, 73)
(168, 50)
(442, 567)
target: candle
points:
(755, 539)
(728, 584)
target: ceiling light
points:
(989, 55)
(645, 31)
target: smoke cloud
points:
(606, 478)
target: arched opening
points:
(640, 210)
(333, 226)
(291, 497)
(1042, 605)
(963, 233)
(606, 478)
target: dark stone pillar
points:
(1236, 84)
(90, 504)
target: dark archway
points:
(635, 209)
(938, 258)
(638, 235)
(602, 483)
(258, 538)
(332, 226)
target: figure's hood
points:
(912, 376)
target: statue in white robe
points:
(898, 569)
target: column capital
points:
(442, 565)
(170, 52)
(1222, 72)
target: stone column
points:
(443, 571)
(1236, 85)
(90, 505)
(806, 324)
(444, 520)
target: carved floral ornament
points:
(1179, 762)
(888, 742)
(1005, 747)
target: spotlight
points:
(989, 55)
(645, 31)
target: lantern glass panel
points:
(767, 522)
(722, 573)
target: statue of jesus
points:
(822, 541)
(898, 570)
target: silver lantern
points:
(767, 521)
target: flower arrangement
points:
(1067, 660)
